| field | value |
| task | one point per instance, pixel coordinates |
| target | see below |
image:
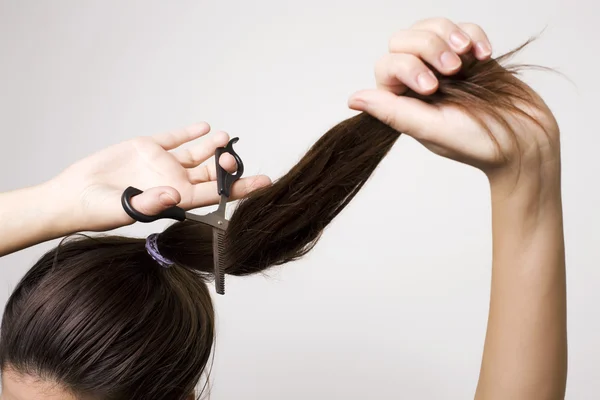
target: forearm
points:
(30, 216)
(525, 354)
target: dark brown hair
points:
(98, 316)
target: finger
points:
(458, 39)
(196, 155)
(407, 115)
(396, 72)
(174, 139)
(207, 172)
(227, 161)
(155, 200)
(428, 46)
(482, 46)
(206, 193)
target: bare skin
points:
(24, 387)
(86, 196)
(525, 352)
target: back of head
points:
(99, 317)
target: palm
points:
(140, 163)
(491, 132)
(461, 138)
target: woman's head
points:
(101, 319)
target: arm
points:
(525, 353)
(506, 130)
(30, 216)
(87, 195)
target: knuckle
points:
(193, 157)
(401, 66)
(410, 65)
(436, 24)
(144, 206)
(388, 117)
(395, 38)
(186, 156)
(140, 143)
(443, 22)
(431, 41)
(203, 173)
(219, 138)
(382, 65)
(471, 28)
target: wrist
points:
(528, 197)
(57, 213)
(529, 180)
(33, 215)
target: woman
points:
(62, 345)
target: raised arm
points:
(525, 354)
(487, 118)
(86, 196)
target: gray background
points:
(392, 303)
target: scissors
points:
(215, 219)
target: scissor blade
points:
(214, 219)
(222, 205)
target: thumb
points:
(407, 115)
(155, 200)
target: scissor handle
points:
(224, 179)
(175, 212)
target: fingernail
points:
(427, 80)
(450, 60)
(167, 200)
(483, 49)
(459, 39)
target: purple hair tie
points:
(152, 249)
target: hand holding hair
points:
(461, 104)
